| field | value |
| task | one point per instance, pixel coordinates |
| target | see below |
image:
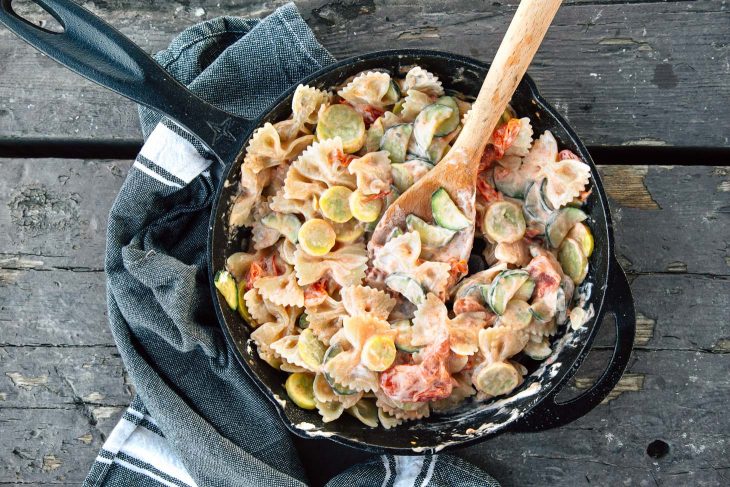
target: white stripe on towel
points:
(407, 470)
(154, 175)
(174, 154)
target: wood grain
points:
(647, 73)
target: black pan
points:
(98, 52)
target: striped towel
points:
(197, 419)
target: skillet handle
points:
(95, 50)
(549, 413)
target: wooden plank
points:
(49, 446)
(92, 378)
(54, 212)
(621, 73)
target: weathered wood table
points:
(645, 84)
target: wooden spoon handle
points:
(520, 43)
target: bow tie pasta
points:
(400, 331)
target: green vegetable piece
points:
(310, 349)
(516, 315)
(432, 120)
(374, 135)
(504, 222)
(404, 338)
(406, 286)
(431, 235)
(525, 291)
(303, 321)
(451, 123)
(333, 351)
(511, 182)
(300, 389)
(407, 173)
(438, 149)
(446, 213)
(242, 309)
(392, 95)
(335, 204)
(366, 412)
(344, 122)
(503, 288)
(534, 207)
(497, 378)
(582, 234)
(573, 261)
(226, 285)
(284, 223)
(395, 141)
(560, 223)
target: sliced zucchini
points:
(366, 411)
(517, 315)
(303, 321)
(226, 285)
(438, 149)
(582, 234)
(504, 222)
(503, 288)
(398, 107)
(446, 213)
(560, 223)
(329, 354)
(374, 135)
(572, 260)
(408, 287)
(284, 223)
(378, 353)
(538, 350)
(525, 291)
(300, 389)
(317, 237)
(431, 235)
(310, 349)
(450, 124)
(407, 173)
(541, 310)
(432, 120)
(344, 122)
(365, 209)
(404, 338)
(534, 207)
(242, 309)
(392, 95)
(497, 379)
(543, 196)
(510, 182)
(561, 306)
(335, 204)
(395, 141)
(348, 232)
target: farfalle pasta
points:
(400, 331)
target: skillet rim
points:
(218, 210)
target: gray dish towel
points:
(197, 419)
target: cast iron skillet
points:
(95, 50)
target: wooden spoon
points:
(457, 171)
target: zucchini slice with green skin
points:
(374, 135)
(446, 213)
(450, 124)
(503, 289)
(432, 119)
(366, 412)
(534, 208)
(310, 349)
(504, 222)
(407, 173)
(438, 149)
(284, 223)
(408, 287)
(226, 285)
(582, 234)
(303, 321)
(395, 141)
(511, 183)
(392, 95)
(300, 389)
(573, 261)
(329, 354)
(344, 122)
(404, 338)
(242, 309)
(543, 196)
(525, 291)
(431, 235)
(560, 223)
(517, 315)
(497, 378)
